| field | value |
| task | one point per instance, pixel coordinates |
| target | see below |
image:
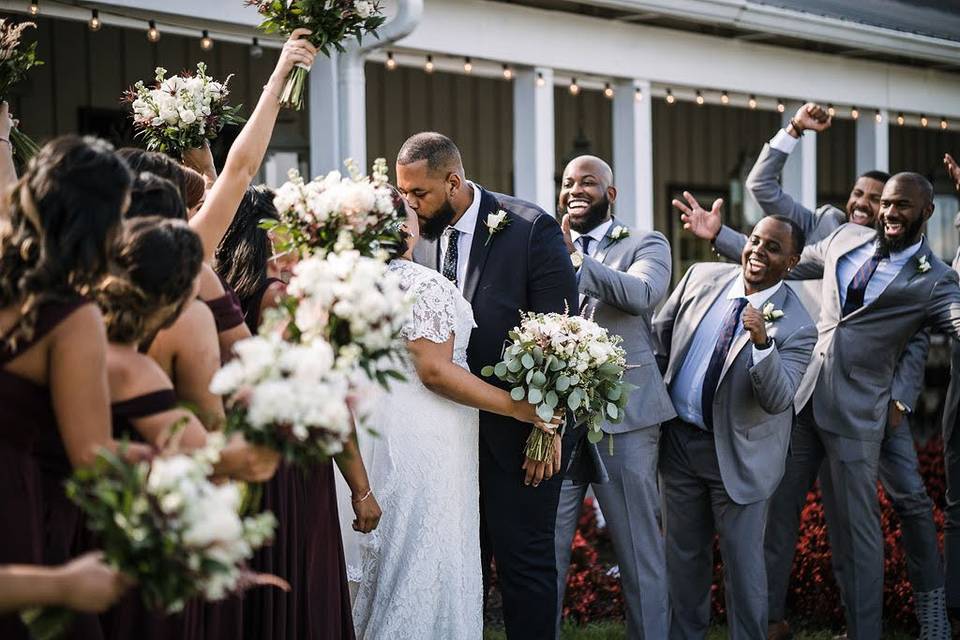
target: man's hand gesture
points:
(754, 323)
(697, 220)
(810, 116)
(953, 169)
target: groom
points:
(507, 257)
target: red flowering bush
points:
(594, 592)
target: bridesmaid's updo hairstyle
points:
(155, 196)
(242, 256)
(188, 181)
(64, 212)
(156, 261)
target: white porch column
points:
(352, 98)
(800, 171)
(324, 118)
(873, 142)
(633, 153)
(533, 143)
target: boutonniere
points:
(770, 314)
(496, 222)
(619, 233)
(922, 264)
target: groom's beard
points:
(431, 228)
(593, 217)
(909, 237)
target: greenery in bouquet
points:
(286, 396)
(181, 112)
(15, 61)
(164, 523)
(330, 22)
(336, 213)
(560, 362)
(352, 302)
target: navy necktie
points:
(450, 257)
(728, 329)
(858, 286)
(585, 244)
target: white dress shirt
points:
(597, 234)
(467, 226)
(887, 270)
(686, 390)
(784, 142)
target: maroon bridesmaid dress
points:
(307, 552)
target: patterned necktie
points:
(858, 286)
(450, 256)
(728, 328)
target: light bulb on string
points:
(725, 98)
(467, 65)
(206, 42)
(391, 62)
(153, 34)
(507, 72)
(831, 111)
(638, 95)
(670, 99)
(94, 22)
(923, 120)
(854, 113)
(943, 123)
(781, 107)
(541, 81)
(752, 102)
(878, 117)
(700, 100)
(900, 119)
(34, 7)
(256, 51)
(428, 65)
(574, 87)
(608, 91)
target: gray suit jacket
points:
(622, 286)
(753, 408)
(952, 401)
(764, 183)
(850, 376)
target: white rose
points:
(364, 8)
(188, 117)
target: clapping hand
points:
(754, 323)
(697, 220)
(953, 169)
(813, 117)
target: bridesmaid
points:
(308, 551)
(53, 381)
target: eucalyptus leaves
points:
(564, 363)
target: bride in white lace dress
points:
(418, 574)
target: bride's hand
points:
(368, 514)
(296, 50)
(526, 412)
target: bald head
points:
(591, 165)
(917, 183)
(439, 152)
(586, 193)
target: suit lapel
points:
(907, 273)
(605, 245)
(847, 244)
(743, 337)
(693, 314)
(480, 248)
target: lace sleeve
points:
(434, 314)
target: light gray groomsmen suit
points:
(899, 468)
(722, 480)
(621, 282)
(846, 391)
(951, 454)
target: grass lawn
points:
(616, 631)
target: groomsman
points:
(736, 343)
(622, 274)
(899, 468)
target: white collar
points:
(757, 299)
(468, 221)
(598, 233)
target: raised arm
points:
(708, 225)
(551, 280)
(638, 289)
(812, 260)
(246, 154)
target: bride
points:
(418, 574)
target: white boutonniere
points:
(496, 222)
(922, 264)
(770, 314)
(619, 233)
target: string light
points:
(391, 63)
(428, 65)
(780, 106)
(34, 7)
(923, 120)
(206, 42)
(540, 79)
(467, 65)
(256, 51)
(943, 123)
(752, 102)
(638, 95)
(608, 91)
(153, 34)
(574, 87)
(854, 113)
(725, 98)
(507, 72)
(94, 23)
(670, 98)
(900, 119)
(878, 117)
(699, 97)
(831, 111)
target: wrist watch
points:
(576, 258)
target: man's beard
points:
(595, 215)
(432, 228)
(901, 243)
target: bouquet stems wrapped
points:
(557, 362)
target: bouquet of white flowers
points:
(557, 361)
(338, 213)
(15, 61)
(288, 397)
(352, 302)
(330, 22)
(181, 112)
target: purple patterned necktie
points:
(450, 257)
(858, 286)
(731, 322)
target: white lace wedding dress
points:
(418, 574)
